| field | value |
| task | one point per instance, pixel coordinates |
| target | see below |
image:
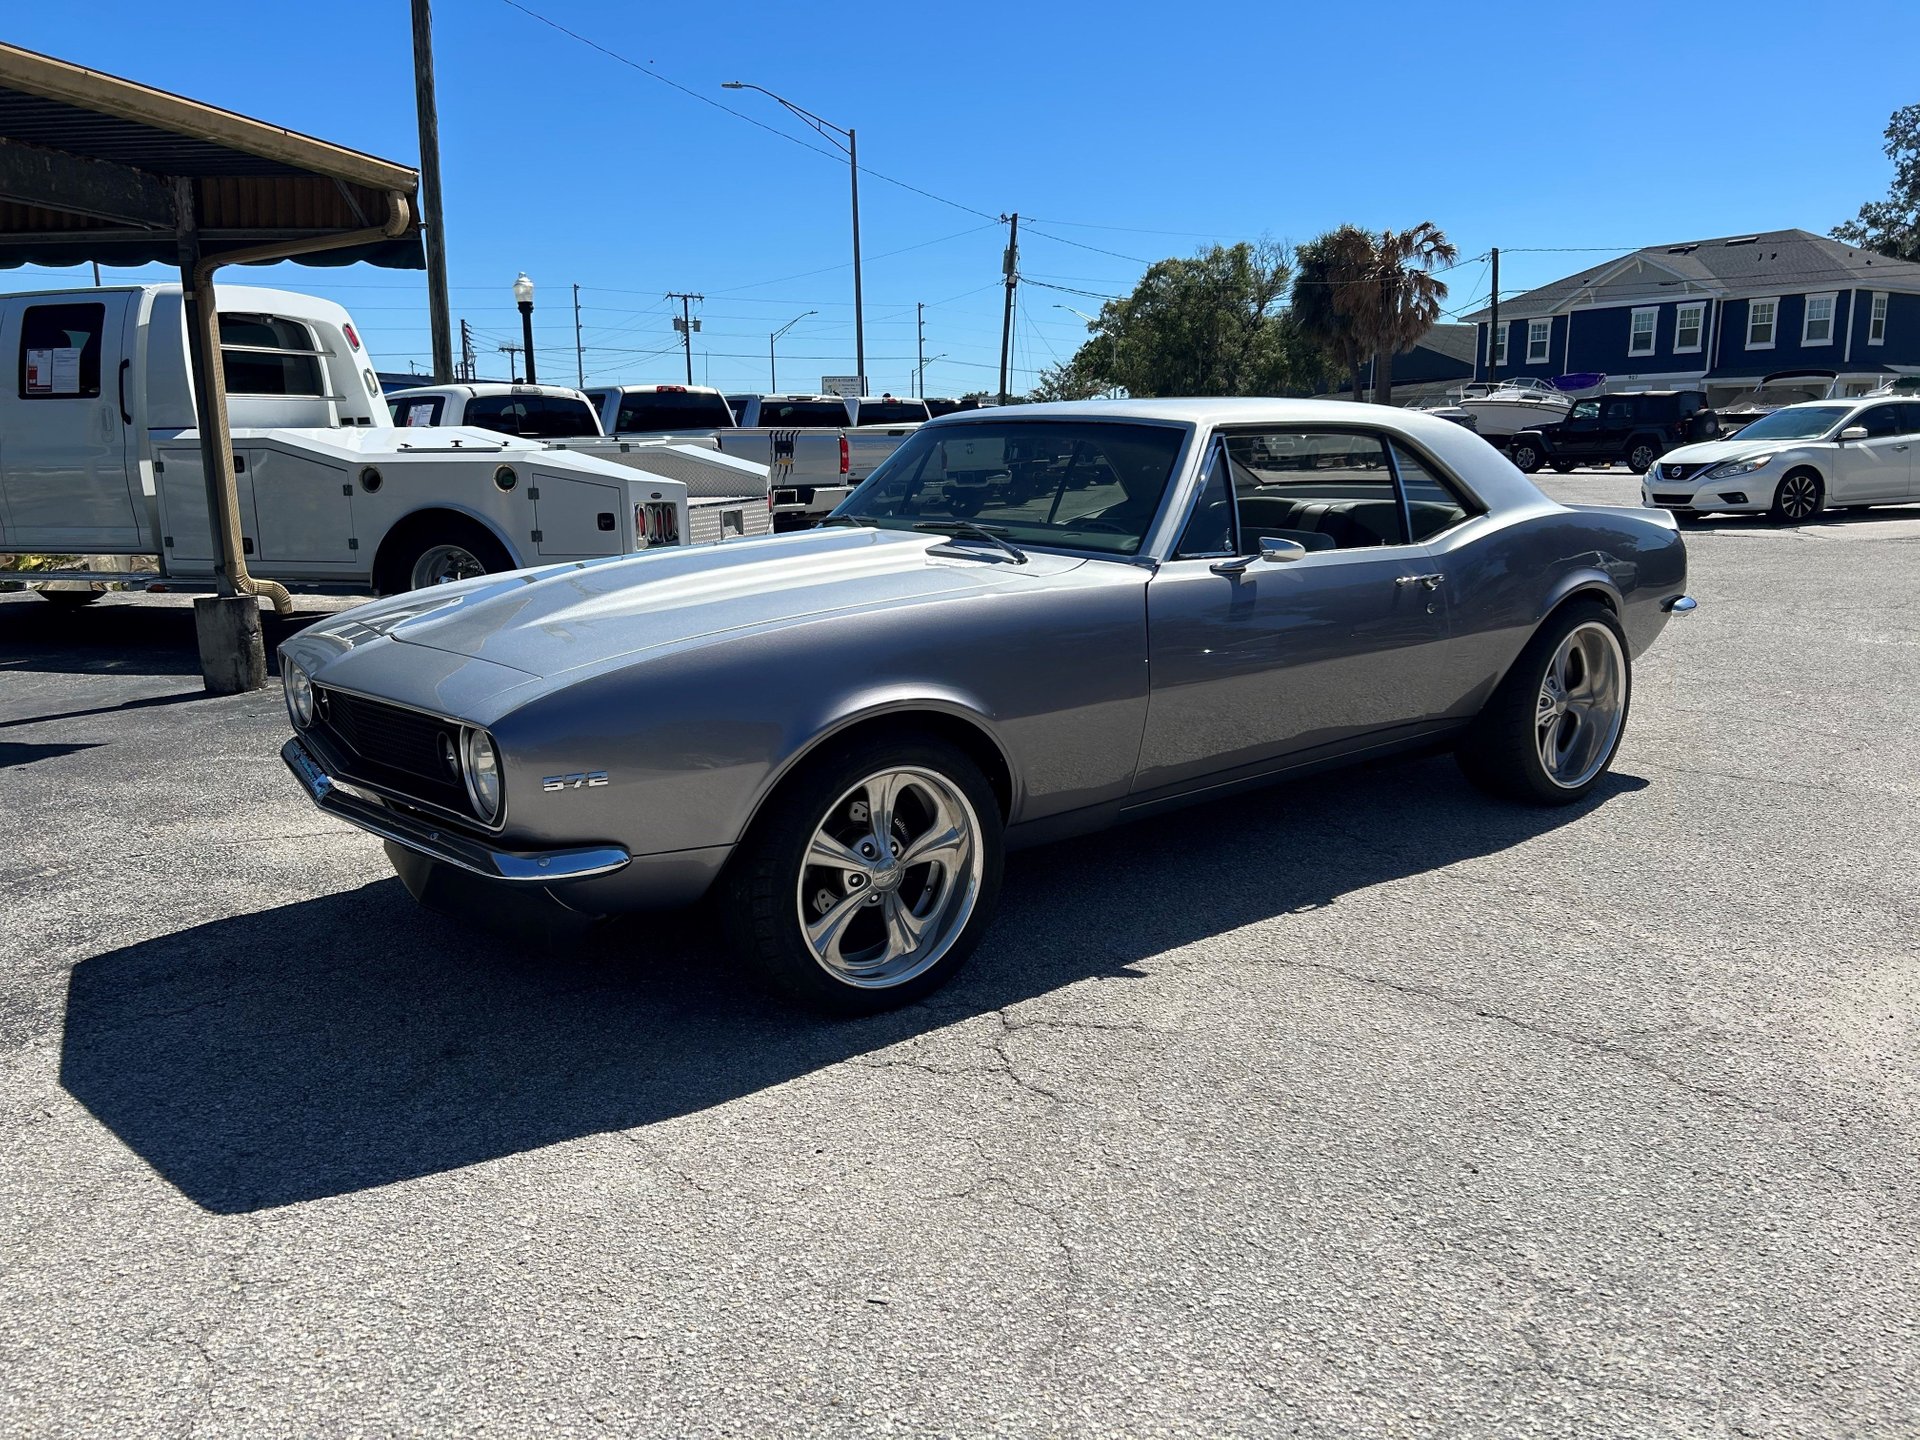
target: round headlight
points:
(299, 688)
(482, 770)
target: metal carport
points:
(96, 168)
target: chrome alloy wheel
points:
(1582, 703)
(442, 564)
(890, 878)
(1799, 496)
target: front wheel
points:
(1552, 727)
(1641, 457)
(871, 877)
(1526, 455)
(1563, 467)
(1797, 498)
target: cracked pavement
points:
(1365, 1107)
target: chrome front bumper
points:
(423, 837)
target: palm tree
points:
(1324, 269)
(1396, 298)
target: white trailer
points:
(99, 455)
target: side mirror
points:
(1276, 552)
(1853, 432)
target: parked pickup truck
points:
(99, 455)
(816, 456)
(729, 496)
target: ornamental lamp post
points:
(523, 297)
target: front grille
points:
(1673, 499)
(1679, 472)
(394, 748)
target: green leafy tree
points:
(1324, 271)
(1068, 381)
(1892, 226)
(1214, 324)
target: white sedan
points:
(1797, 461)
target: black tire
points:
(762, 891)
(413, 541)
(1526, 455)
(1642, 455)
(1798, 498)
(1563, 467)
(1501, 754)
(71, 599)
(964, 504)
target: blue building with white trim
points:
(1717, 315)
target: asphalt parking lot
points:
(1366, 1107)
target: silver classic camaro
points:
(1028, 623)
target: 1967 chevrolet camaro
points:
(1028, 623)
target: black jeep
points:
(1635, 429)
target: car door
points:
(65, 426)
(1619, 418)
(1573, 437)
(1254, 663)
(1879, 467)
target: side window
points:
(1585, 410)
(1324, 489)
(1433, 505)
(1209, 532)
(1618, 412)
(1881, 421)
(1910, 418)
(416, 412)
(60, 351)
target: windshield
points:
(1799, 423)
(1077, 484)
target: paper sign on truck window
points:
(420, 413)
(54, 370)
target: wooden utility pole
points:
(510, 351)
(1012, 269)
(686, 325)
(467, 361)
(1493, 323)
(431, 215)
(579, 353)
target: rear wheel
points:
(437, 550)
(1563, 467)
(966, 504)
(1525, 454)
(71, 599)
(1797, 498)
(1552, 727)
(871, 876)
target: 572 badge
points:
(580, 780)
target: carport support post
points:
(233, 656)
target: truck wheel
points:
(1550, 730)
(1526, 455)
(71, 599)
(871, 876)
(437, 551)
(1641, 455)
(965, 506)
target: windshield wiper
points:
(993, 535)
(859, 521)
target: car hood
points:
(548, 621)
(1716, 452)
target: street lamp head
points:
(732, 85)
(523, 289)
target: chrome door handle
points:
(1899, 447)
(1432, 582)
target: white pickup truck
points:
(729, 496)
(99, 454)
(808, 442)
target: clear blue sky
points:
(1140, 130)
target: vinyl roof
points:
(88, 163)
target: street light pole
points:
(523, 296)
(773, 376)
(846, 140)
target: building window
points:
(1760, 317)
(1877, 322)
(1539, 336)
(1817, 327)
(1640, 342)
(1500, 347)
(1688, 323)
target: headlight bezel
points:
(472, 769)
(1732, 469)
(297, 686)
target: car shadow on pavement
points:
(118, 636)
(356, 1039)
